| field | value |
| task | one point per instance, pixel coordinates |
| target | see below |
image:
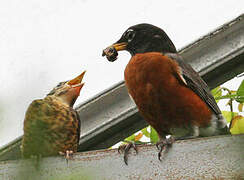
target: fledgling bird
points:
(169, 94)
(51, 125)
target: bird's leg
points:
(124, 148)
(67, 155)
(162, 143)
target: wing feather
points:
(196, 83)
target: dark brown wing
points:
(196, 83)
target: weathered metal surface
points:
(11, 150)
(219, 55)
(111, 116)
(219, 157)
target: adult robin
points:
(169, 94)
(51, 125)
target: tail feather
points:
(224, 131)
(222, 125)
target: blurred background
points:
(43, 42)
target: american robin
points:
(51, 125)
(169, 94)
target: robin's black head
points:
(141, 38)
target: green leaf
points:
(145, 132)
(138, 137)
(237, 125)
(240, 107)
(228, 115)
(240, 93)
(240, 90)
(153, 135)
(131, 138)
(217, 92)
(229, 96)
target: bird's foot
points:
(164, 143)
(67, 154)
(124, 148)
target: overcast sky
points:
(43, 42)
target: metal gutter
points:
(111, 116)
(218, 157)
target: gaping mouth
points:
(77, 82)
(111, 52)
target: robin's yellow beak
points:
(120, 46)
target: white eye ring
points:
(129, 35)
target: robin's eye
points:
(130, 34)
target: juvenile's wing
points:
(34, 128)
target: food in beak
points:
(110, 53)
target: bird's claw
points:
(67, 154)
(125, 149)
(164, 143)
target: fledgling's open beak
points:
(77, 82)
(111, 52)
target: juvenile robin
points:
(51, 125)
(169, 93)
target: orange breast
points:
(161, 98)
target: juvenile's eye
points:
(130, 34)
(61, 83)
